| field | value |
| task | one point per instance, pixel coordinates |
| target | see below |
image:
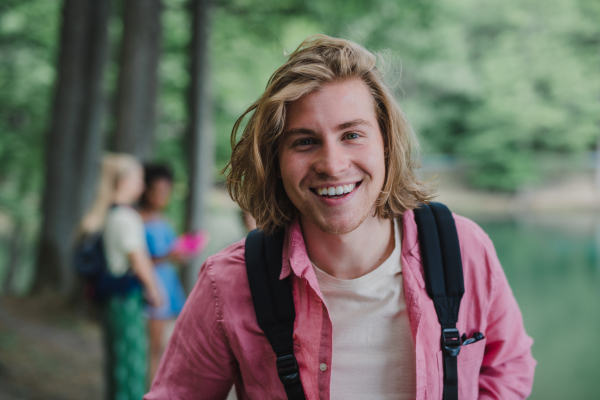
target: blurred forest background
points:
(506, 92)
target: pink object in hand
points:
(191, 243)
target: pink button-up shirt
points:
(217, 341)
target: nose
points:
(331, 159)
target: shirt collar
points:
(295, 257)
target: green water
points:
(554, 270)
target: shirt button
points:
(323, 367)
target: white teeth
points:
(335, 190)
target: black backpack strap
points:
(274, 304)
(440, 253)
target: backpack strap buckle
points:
(287, 368)
(451, 341)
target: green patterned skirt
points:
(126, 346)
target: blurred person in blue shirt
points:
(161, 239)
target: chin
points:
(337, 227)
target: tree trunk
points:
(14, 254)
(138, 79)
(200, 135)
(74, 138)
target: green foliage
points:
(28, 44)
(494, 82)
(497, 82)
(27, 72)
(535, 91)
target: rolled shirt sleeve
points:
(198, 362)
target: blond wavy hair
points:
(114, 167)
(252, 178)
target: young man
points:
(327, 155)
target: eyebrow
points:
(354, 122)
(299, 131)
(340, 127)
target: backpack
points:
(89, 260)
(91, 266)
(274, 304)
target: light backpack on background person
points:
(274, 303)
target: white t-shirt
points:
(373, 348)
(123, 234)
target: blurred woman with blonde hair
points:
(129, 271)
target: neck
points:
(122, 199)
(353, 254)
(149, 213)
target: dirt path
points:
(49, 356)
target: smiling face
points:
(331, 157)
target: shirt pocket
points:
(468, 364)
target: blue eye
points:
(352, 135)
